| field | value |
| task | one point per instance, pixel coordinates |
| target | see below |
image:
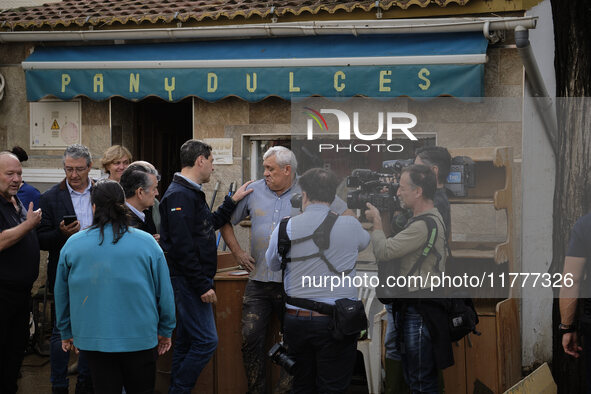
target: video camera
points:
(461, 176)
(376, 188)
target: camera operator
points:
(427, 347)
(322, 363)
(439, 160)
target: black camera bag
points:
(462, 318)
(348, 318)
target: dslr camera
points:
(278, 355)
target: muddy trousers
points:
(263, 301)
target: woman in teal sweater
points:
(113, 297)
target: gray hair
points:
(9, 153)
(77, 151)
(136, 176)
(283, 156)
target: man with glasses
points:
(140, 183)
(70, 197)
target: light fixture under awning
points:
(416, 65)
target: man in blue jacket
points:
(188, 237)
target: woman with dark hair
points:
(113, 297)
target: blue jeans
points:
(392, 342)
(196, 337)
(418, 359)
(59, 363)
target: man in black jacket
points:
(140, 184)
(19, 257)
(69, 197)
(187, 235)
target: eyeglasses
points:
(70, 170)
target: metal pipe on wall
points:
(535, 81)
(290, 29)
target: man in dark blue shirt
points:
(19, 267)
(26, 193)
(187, 235)
(575, 287)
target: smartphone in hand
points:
(69, 219)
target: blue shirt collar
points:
(317, 208)
(198, 186)
(139, 214)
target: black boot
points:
(59, 390)
(84, 387)
(395, 383)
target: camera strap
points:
(428, 247)
(320, 307)
(320, 236)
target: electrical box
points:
(55, 124)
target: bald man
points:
(19, 267)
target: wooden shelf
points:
(473, 254)
(459, 200)
(500, 252)
(494, 358)
(501, 156)
(493, 173)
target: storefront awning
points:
(417, 65)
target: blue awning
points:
(415, 65)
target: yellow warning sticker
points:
(55, 125)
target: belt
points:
(303, 313)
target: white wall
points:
(538, 174)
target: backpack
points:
(462, 318)
(461, 314)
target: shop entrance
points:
(154, 131)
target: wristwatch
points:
(565, 328)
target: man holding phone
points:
(66, 210)
(69, 219)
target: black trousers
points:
(14, 335)
(136, 371)
(323, 364)
(585, 337)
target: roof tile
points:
(108, 12)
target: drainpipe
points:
(536, 84)
(290, 29)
